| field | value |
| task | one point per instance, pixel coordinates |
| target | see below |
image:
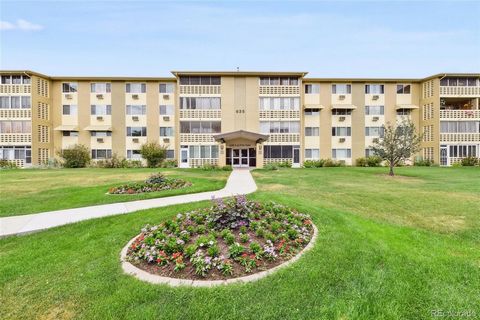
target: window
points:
(277, 81)
(341, 88)
(374, 110)
(369, 153)
(69, 87)
(6, 79)
(403, 112)
(69, 109)
(374, 88)
(341, 153)
(101, 133)
(312, 131)
(70, 133)
(460, 126)
(312, 154)
(166, 132)
(403, 89)
(100, 87)
(16, 79)
(4, 102)
(101, 153)
(15, 126)
(453, 82)
(170, 154)
(312, 112)
(277, 152)
(15, 102)
(341, 131)
(312, 88)
(16, 153)
(135, 87)
(26, 104)
(167, 87)
(374, 131)
(167, 110)
(196, 80)
(279, 103)
(134, 110)
(463, 151)
(136, 131)
(134, 154)
(341, 112)
(200, 103)
(203, 152)
(26, 79)
(279, 126)
(100, 109)
(200, 126)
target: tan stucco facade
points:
(291, 112)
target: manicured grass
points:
(36, 190)
(387, 248)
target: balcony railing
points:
(12, 138)
(196, 138)
(15, 88)
(279, 114)
(283, 138)
(200, 114)
(279, 90)
(447, 91)
(200, 89)
(16, 113)
(459, 114)
(460, 137)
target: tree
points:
(399, 143)
(76, 156)
(153, 153)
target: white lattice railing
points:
(196, 138)
(283, 138)
(200, 162)
(15, 88)
(460, 137)
(279, 114)
(200, 89)
(200, 114)
(279, 90)
(16, 138)
(447, 91)
(459, 114)
(16, 113)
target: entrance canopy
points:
(240, 134)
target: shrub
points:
(332, 163)
(370, 161)
(313, 163)
(5, 164)
(271, 166)
(77, 156)
(470, 161)
(208, 167)
(361, 162)
(169, 163)
(420, 162)
(284, 164)
(226, 168)
(153, 153)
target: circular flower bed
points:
(156, 182)
(231, 239)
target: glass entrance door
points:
(184, 157)
(240, 157)
(296, 157)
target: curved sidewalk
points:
(240, 181)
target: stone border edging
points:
(142, 275)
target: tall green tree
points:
(399, 143)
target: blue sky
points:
(328, 39)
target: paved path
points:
(240, 181)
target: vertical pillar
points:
(222, 152)
(259, 147)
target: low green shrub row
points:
(213, 167)
(370, 161)
(322, 163)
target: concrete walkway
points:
(240, 181)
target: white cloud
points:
(20, 24)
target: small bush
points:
(284, 164)
(153, 153)
(226, 168)
(420, 162)
(313, 163)
(271, 166)
(370, 161)
(361, 162)
(77, 156)
(332, 163)
(208, 167)
(5, 164)
(470, 162)
(169, 163)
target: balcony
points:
(279, 114)
(196, 138)
(200, 89)
(15, 88)
(459, 114)
(279, 90)
(284, 138)
(15, 113)
(200, 114)
(460, 137)
(463, 91)
(15, 138)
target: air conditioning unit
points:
(68, 96)
(341, 140)
(166, 96)
(99, 118)
(99, 96)
(135, 118)
(166, 118)
(375, 97)
(341, 118)
(375, 118)
(341, 97)
(100, 140)
(134, 96)
(166, 139)
(135, 140)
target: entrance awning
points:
(240, 134)
(406, 106)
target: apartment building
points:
(234, 118)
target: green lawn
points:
(36, 190)
(388, 248)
